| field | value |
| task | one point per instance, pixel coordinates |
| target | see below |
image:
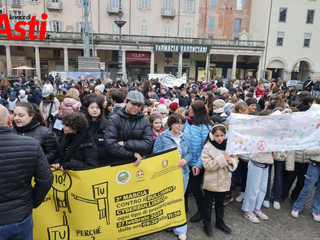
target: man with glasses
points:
(128, 135)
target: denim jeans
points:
(279, 167)
(183, 229)
(315, 92)
(312, 177)
(256, 188)
(17, 230)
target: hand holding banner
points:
(119, 202)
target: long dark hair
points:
(147, 86)
(33, 109)
(209, 101)
(99, 100)
(200, 113)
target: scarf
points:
(221, 146)
(190, 121)
(46, 102)
(70, 145)
(26, 128)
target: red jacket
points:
(260, 93)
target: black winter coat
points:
(97, 135)
(21, 158)
(134, 131)
(43, 135)
(79, 152)
(184, 101)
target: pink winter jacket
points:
(69, 105)
(45, 108)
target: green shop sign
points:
(181, 48)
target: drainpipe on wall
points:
(179, 18)
(205, 19)
(267, 42)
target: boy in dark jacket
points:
(128, 134)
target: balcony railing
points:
(146, 40)
(113, 9)
(54, 6)
(15, 5)
(168, 12)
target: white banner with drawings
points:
(252, 134)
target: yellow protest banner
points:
(119, 202)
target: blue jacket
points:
(165, 142)
(196, 135)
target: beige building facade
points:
(149, 23)
(291, 31)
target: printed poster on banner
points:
(171, 81)
(119, 202)
(254, 134)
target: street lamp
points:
(120, 24)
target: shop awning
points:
(138, 56)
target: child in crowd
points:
(12, 101)
(252, 106)
(217, 177)
(156, 125)
(164, 113)
(256, 186)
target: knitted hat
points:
(46, 92)
(22, 93)
(219, 103)
(155, 112)
(161, 100)
(13, 94)
(162, 108)
(223, 90)
(173, 106)
(100, 88)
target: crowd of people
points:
(96, 123)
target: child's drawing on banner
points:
(251, 134)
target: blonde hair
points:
(4, 82)
(73, 93)
(181, 111)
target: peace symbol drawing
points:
(261, 145)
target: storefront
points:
(179, 59)
(138, 65)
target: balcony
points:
(168, 13)
(15, 5)
(54, 6)
(113, 9)
(74, 37)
